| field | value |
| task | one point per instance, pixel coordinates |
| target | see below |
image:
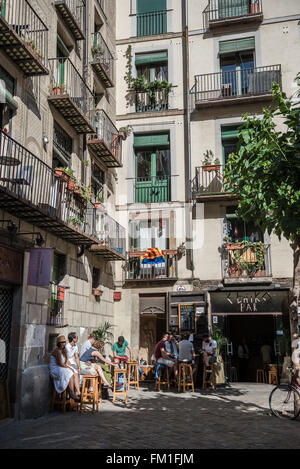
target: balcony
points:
(234, 87)
(72, 13)
(152, 189)
(24, 37)
(70, 95)
(30, 190)
(151, 23)
(106, 144)
(158, 102)
(229, 12)
(247, 264)
(103, 61)
(164, 271)
(209, 184)
(111, 238)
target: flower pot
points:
(71, 185)
(254, 8)
(59, 173)
(161, 97)
(57, 90)
(211, 167)
(60, 293)
(143, 99)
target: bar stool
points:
(117, 373)
(88, 397)
(158, 375)
(62, 400)
(260, 376)
(133, 370)
(212, 380)
(185, 373)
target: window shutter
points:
(157, 57)
(145, 6)
(233, 8)
(144, 141)
(237, 45)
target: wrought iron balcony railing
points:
(236, 85)
(220, 12)
(24, 37)
(145, 103)
(70, 95)
(208, 180)
(151, 23)
(152, 189)
(103, 61)
(167, 270)
(72, 12)
(30, 190)
(240, 260)
(111, 236)
(106, 144)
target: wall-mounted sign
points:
(243, 302)
(40, 267)
(11, 266)
(187, 317)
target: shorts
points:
(88, 369)
(164, 361)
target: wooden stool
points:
(88, 397)
(133, 369)
(260, 376)
(273, 377)
(62, 400)
(158, 381)
(212, 380)
(185, 372)
(117, 373)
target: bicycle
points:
(282, 400)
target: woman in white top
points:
(61, 372)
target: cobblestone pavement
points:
(235, 416)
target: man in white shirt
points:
(209, 350)
(73, 352)
(88, 344)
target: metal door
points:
(6, 302)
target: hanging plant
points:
(128, 75)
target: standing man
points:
(209, 350)
(73, 352)
(119, 350)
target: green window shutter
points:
(145, 6)
(144, 141)
(233, 8)
(156, 57)
(230, 133)
(237, 45)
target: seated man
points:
(119, 350)
(186, 351)
(162, 356)
(88, 366)
(209, 350)
(171, 346)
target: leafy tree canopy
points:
(265, 172)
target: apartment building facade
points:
(60, 156)
(221, 58)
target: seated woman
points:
(61, 371)
(87, 367)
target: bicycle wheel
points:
(282, 401)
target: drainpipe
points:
(187, 132)
(85, 77)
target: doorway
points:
(251, 340)
(152, 328)
(6, 304)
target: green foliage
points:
(128, 75)
(208, 157)
(75, 221)
(219, 338)
(103, 333)
(258, 250)
(265, 172)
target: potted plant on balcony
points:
(59, 89)
(99, 201)
(161, 90)
(72, 181)
(62, 174)
(124, 132)
(142, 89)
(97, 53)
(208, 164)
(76, 222)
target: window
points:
(233, 8)
(98, 179)
(153, 66)
(62, 147)
(238, 230)
(96, 278)
(151, 17)
(145, 234)
(229, 141)
(58, 274)
(152, 156)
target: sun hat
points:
(60, 339)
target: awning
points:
(152, 58)
(237, 45)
